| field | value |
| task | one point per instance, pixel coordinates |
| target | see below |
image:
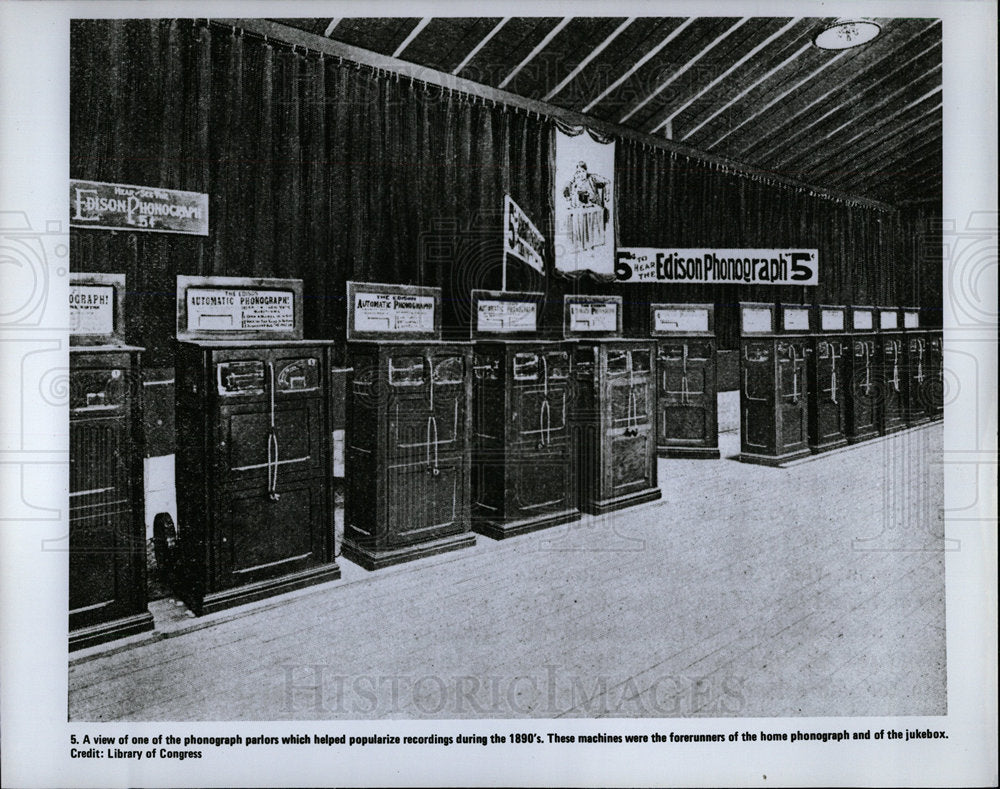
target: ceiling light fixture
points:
(846, 33)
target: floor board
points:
(746, 591)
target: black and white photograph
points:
(563, 394)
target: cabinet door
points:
(105, 579)
(540, 482)
(828, 386)
(863, 387)
(792, 395)
(540, 415)
(686, 373)
(427, 405)
(426, 501)
(918, 378)
(631, 456)
(934, 391)
(757, 396)
(101, 446)
(892, 380)
(261, 537)
(99, 462)
(271, 415)
(249, 448)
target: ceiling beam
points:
(925, 185)
(671, 114)
(755, 84)
(778, 98)
(277, 32)
(797, 155)
(866, 133)
(586, 61)
(885, 170)
(915, 170)
(482, 43)
(534, 53)
(869, 67)
(640, 63)
(852, 101)
(849, 100)
(413, 34)
(876, 152)
(817, 165)
(897, 190)
(663, 86)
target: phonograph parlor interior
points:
(469, 347)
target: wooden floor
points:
(747, 591)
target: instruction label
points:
(91, 309)
(236, 309)
(393, 312)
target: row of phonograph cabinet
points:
(503, 435)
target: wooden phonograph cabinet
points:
(408, 441)
(935, 354)
(254, 445)
(523, 464)
(774, 402)
(922, 385)
(828, 389)
(687, 406)
(862, 417)
(107, 534)
(891, 372)
(614, 406)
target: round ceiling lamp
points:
(846, 33)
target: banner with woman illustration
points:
(584, 199)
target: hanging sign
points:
(521, 239)
(718, 266)
(94, 204)
(584, 199)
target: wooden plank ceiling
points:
(866, 120)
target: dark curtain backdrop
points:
(328, 171)
(921, 260)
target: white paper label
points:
(756, 320)
(832, 320)
(911, 320)
(593, 316)
(680, 320)
(888, 320)
(795, 319)
(863, 319)
(393, 312)
(506, 316)
(91, 309)
(236, 309)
